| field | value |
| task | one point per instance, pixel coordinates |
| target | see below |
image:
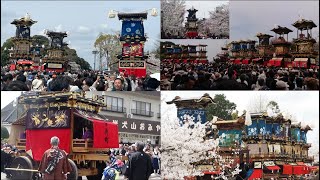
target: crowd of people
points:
(82, 81)
(227, 76)
(127, 150)
(199, 36)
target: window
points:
(141, 108)
(115, 104)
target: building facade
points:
(136, 113)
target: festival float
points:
(178, 53)
(61, 114)
(133, 60)
(55, 59)
(267, 146)
(21, 57)
(191, 24)
(279, 52)
(304, 53)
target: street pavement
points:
(152, 177)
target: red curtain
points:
(38, 140)
(257, 173)
(298, 170)
(277, 63)
(287, 169)
(192, 34)
(303, 64)
(271, 62)
(237, 61)
(245, 61)
(295, 64)
(105, 134)
(272, 168)
(204, 61)
(137, 72)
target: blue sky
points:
(83, 19)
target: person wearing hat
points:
(281, 85)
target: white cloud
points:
(58, 28)
(83, 29)
(104, 26)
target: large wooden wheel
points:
(74, 173)
(100, 166)
(21, 162)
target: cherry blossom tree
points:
(172, 17)
(218, 22)
(183, 147)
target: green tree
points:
(4, 133)
(5, 51)
(234, 115)
(109, 46)
(72, 55)
(223, 108)
(274, 106)
(40, 40)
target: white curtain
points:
(277, 148)
(270, 146)
(254, 148)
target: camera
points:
(101, 77)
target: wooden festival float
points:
(272, 147)
(21, 56)
(279, 51)
(62, 114)
(56, 60)
(133, 60)
(178, 53)
(192, 24)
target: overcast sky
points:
(203, 7)
(83, 19)
(304, 106)
(247, 18)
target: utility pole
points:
(95, 52)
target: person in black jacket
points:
(140, 165)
